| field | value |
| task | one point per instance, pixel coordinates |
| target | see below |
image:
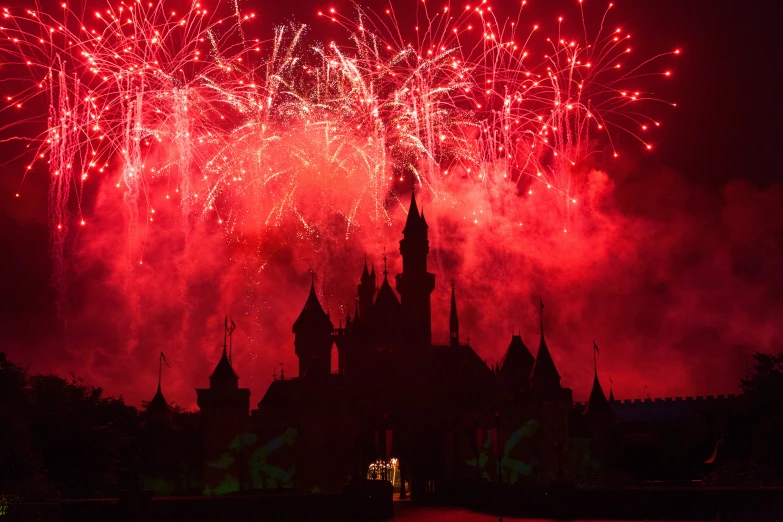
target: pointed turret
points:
(415, 284)
(597, 404)
(366, 291)
(516, 365)
(312, 314)
(611, 395)
(158, 406)
(544, 374)
(313, 337)
(365, 273)
(224, 376)
(386, 310)
(158, 410)
(415, 223)
(453, 319)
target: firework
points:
(251, 132)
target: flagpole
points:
(225, 333)
(231, 344)
(160, 368)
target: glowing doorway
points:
(385, 470)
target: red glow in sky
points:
(221, 195)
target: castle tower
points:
(224, 401)
(544, 375)
(225, 409)
(599, 418)
(453, 320)
(415, 284)
(366, 291)
(313, 338)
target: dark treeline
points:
(62, 438)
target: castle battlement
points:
(663, 408)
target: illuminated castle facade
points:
(398, 407)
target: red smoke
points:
(673, 282)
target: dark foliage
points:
(61, 437)
(763, 407)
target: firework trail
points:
(251, 132)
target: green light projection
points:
(511, 468)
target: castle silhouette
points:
(401, 408)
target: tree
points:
(763, 406)
(20, 468)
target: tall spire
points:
(312, 314)
(453, 320)
(385, 271)
(365, 273)
(223, 376)
(415, 222)
(158, 408)
(415, 284)
(312, 337)
(597, 404)
(365, 290)
(544, 374)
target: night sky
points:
(673, 268)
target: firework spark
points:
(250, 132)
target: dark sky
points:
(715, 160)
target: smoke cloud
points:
(674, 282)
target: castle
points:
(398, 407)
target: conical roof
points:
(611, 395)
(518, 362)
(312, 315)
(158, 404)
(387, 299)
(415, 222)
(224, 370)
(544, 373)
(453, 319)
(597, 404)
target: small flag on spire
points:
(595, 349)
(163, 358)
(232, 327)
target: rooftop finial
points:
(595, 357)
(453, 320)
(541, 314)
(385, 272)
